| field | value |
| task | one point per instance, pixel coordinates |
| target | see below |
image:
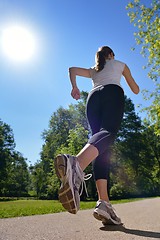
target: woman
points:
(105, 108)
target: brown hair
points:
(101, 57)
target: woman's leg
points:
(101, 185)
(87, 155)
(90, 152)
(104, 111)
(101, 170)
(100, 142)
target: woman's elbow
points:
(71, 69)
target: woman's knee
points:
(102, 140)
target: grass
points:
(20, 208)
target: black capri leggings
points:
(105, 108)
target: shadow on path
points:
(122, 228)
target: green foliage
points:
(14, 176)
(68, 132)
(132, 159)
(16, 183)
(38, 178)
(153, 116)
(146, 20)
(135, 161)
(135, 165)
(131, 122)
(76, 140)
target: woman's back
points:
(110, 74)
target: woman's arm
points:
(130, 80)
(73, 72)
(76, 71)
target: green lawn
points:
(20, 208)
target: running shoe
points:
(71, 177)
(106, 213)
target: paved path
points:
(141, 218)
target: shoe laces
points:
(80, 178)
(85, 178)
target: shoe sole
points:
(66, 193)
(105, 220)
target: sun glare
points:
(18, 43)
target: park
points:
(40, 120)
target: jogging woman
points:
(104, 108)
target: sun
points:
(18, 43)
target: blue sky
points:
(67, 34)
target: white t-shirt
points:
(110, 74)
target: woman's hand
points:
(75, 93)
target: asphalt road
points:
(141, 221)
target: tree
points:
(38, 180)
(13, 167)
(7, 145)
(68, 130)
(128, 153)
(135, 165)
(153, 111)
(17, 180)
(148, 171)
(131, 122)
(61, 123)
(76, 140)
(134, 162)
(6, 137)
(125, 154)
(146, 20)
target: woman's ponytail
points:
(100, 61)
(101, 57)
